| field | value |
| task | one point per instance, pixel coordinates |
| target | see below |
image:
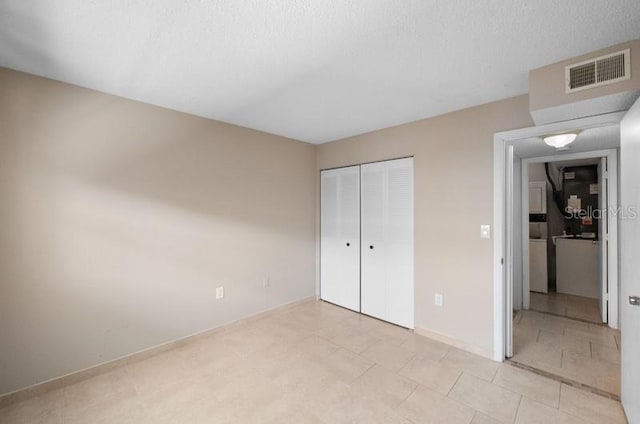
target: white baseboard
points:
(486, 353)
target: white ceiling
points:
(313, 70)
(600, 138)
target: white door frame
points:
(612, 202)
(502, 255)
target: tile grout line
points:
(566, 316)
(565, 381)
(488, 382)
(406, 365)
(409, 395)
(559, 395)
(495, 374)
(454, 384)
(515, 418)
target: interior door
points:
(603, 235)
(387, 241)
(629, 263)
(340, 237)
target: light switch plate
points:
(219, 292)
(485, 231)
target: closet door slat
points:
(340, 237)
(387, 282)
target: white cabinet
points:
(577, 267)
(387, 241)
(340, 237)
(366, 244)
(537, 197)
(538, 281)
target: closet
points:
(366, 240)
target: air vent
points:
(599, 71)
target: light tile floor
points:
(576, 350)
(316, 363)
(583, 308)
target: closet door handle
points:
(348, 244)
(371, 246)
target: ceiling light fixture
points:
(560, 140)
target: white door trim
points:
(501, 140)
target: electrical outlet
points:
(485, 231)
(266, 282)
(219, 292)
(439, 299)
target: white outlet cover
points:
(485, 231)
(439, 299)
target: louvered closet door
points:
(387, 241)
(340, 237)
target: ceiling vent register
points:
(599, 71)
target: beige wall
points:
(453, 197)
(119, 219)
(537, 173)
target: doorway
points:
(570, 349)
(569, 268)
(563, 332)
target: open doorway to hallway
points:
(562, 305)
(567, 232)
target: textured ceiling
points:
(313, 70)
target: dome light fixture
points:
(560, 140)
